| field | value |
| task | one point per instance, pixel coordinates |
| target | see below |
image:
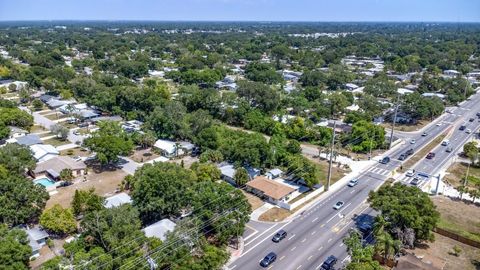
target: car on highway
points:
(338, 205)
(402, 156)
(409, 152)
(468, 131)
(424, 134)
(462, 127)
(445, 142)
(412, 141)
(279, 236)
(438, 124)
(353, 182)
(471, 120)
(269, 259)
(385, 160)
(329, 263)
(415, 181)
(478, 114)
(430, 155)
(410, 173)
(449, 149)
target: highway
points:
(318, 232)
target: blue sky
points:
(243, 10)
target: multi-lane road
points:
(318, 232)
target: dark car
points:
(409, 152)
(463, 127)
(478, 114)
(471, 120)
(385, 160)
(279, 236)
(329, 263)
(424, 134)
(402, 157)
(415, 181)
(269, 259)
(430, 155)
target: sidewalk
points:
(235, 253)
(255, 215)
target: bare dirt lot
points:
(441, 250)
(275, 214)
(456, 174)
(254, 201)
(105, 184)
(143, 155)
(459, 217)
(407, 128)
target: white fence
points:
(302, 200)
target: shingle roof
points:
(270, 188)
(58, 164)
(29, 139)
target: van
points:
(445, 142)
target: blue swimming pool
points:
(46, 182)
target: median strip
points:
(423, 152)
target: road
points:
(318, 232)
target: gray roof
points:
(88, 113)
(227, 170)
(275, 171)
(29, 139)
(36, 233)
(159, 229)
(14, 129)
(117, 200)
(58, 164)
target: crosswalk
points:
(379, 171)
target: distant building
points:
(441, 96)
(117, 200)
(27, 140)
(37, 238)
(451, 72)
(159, 229)
(44, 152)
(274, 173)
(404, 91)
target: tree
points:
(241, 177)
(85, 201)
(406, 208)
(21, 201)
(58, 220)
(37, 104)
(365, 136)
(361, 256)
(380, 86)
(16, 158)
(259, 95)
(471, 150)
(59, 131)
(15, 251)
(206, 171)
(109, 142)
(161, 190)
(386, 245)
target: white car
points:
(438, 124)
(468, 131)
(353, 182)
(338, 205)
(413, 141)
(410, 173)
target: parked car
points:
(409, 152)
(269, 259)
(338, 205)
(385, 160)
(410, 173)
(415, 181)
(478, 114)
(353, 182)
(329, 263)
(279, 236)
(430, 155)
(445, 142)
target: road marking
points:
(315, 219)
(283, 257)
(261, 234)
(318, 267)
(341, 244)
(309, 258)
(353, 190)
(329, 240)
(346, 258)
(292, 249)
(291, 237)
(264, 239)
(331, 218)
(314, 232)
(270, 267)
(320, 248)
(322, 225)
(300, 266)
(304, 239)
(233, 267)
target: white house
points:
(16, 132)
(167, 148)
(159, 229)
(451, 72)
(37, 238)
(404, 91)
(117, 200)
(44, 152)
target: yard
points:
(441, 250)
(37, 128)
(56, 142)
(254, 201)
(143, 155)
(407, 127)
(337, 172)
(459, 217)
(457, 172)
(77, 151)
(105, 184)
(275, 214)
(56, 116)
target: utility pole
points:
(393, 123)
(331, 156)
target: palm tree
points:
(380, 225)
(386, 246)
(462, 190)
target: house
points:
(45, 98)
(156, 73)
(55, 103)
(37, 238)
(87, 114)
(16, 132)
(43, 152)
(351, 86)
(55, 165)
(117, 200)
(159, 229)
(106, 118)
(274, 173)
(441, 96)
(72, 108)
(404, 91)
(166, 148)
(28, 140)
(227, 83)
(18, 84)
(451, 72)
(132, 126)
(187, 147)
(228, 172)
(270, 190)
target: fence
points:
(457, 237)
(302, 200)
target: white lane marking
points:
(292, 249)
(309, 258)
(330, 219)
(315, 219)
(263, 240)
(291, 237)
(304, 239)
(314, 232)
(262, 233)
(346, 258)
(320, 248)
(300, 266)
(353, 190)
(329, 240)
(341, 244)
(233, 267)
(318, 267)
(283, 257)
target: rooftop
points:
(270, 188)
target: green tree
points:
(241, 177)
(58, 220)
(66, 175)
(386, 245)
(109, 142)
(16, 158)
(85, 201)
(470, 149)
(37, 104)
(380, 86)
(206, 171)
(161, 190)
(14, 248)
(61, 132)
(361, 256)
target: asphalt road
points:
(318, 232)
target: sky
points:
(243, 10)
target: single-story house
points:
(28, 140)
(44, 152)
(117, 200)
(37, 238)
(55, 165)
(159, 229)
(274, 173)
(167, 148)
(187, 147)
(18, 84)
(71, 108)
(55, 103)
(16, 132)
(441, 96)
(451, 72)
(228, 172)
(403, 91)
(351, 86)
(87, 114)
(270, 190)
(132, 126)
(46, 98)
(106, 118)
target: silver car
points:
(338, 205)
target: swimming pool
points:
(46, 182)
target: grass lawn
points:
(143, 155)
(275, 214)
(456, 174)
(56, 116)
(423, 152)
(37, 128)
(405, 127)
(55, 142)
(337, 172)
(459, 217)
(77, 151)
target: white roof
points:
(43, 152)
(227, 170)
(159, 229)
(275, 171)
(353, 108)
(403, 91)
(117, 200)
(167, 146)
